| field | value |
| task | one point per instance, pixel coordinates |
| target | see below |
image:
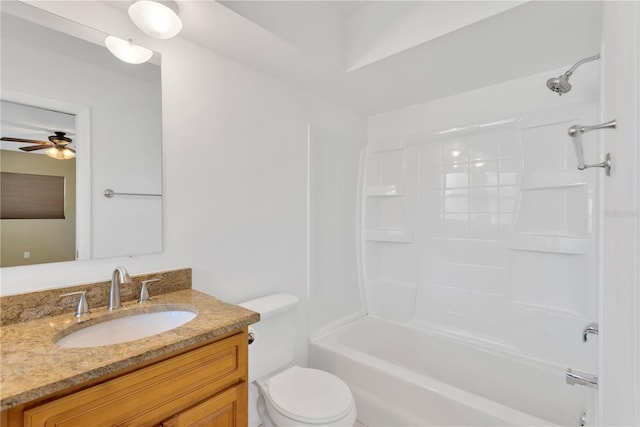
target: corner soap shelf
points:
(391, 190)
(385, 184)
(548, 195)
(552, 244)
(391, 236)
(388, 145)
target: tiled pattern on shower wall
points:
(462, 209)
(486, 231)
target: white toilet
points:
(288, 394)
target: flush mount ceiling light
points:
(156, 19)
(127, 51)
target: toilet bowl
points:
(305, 397)
(282, 394)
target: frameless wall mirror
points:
(97, 123)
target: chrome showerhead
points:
(559, 84)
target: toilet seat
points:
(308, 396)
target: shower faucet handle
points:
(591, 328)
(576, 131)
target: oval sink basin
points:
(125, 329)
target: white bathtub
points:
(402, 375)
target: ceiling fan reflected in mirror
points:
(57, 146)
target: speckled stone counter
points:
(33, 305)
(33, 366)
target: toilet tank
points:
(275, 334)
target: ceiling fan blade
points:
(36, 147)
(30, 141)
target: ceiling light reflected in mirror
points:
(127, 51)
(60, 153)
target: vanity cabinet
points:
(206, 386)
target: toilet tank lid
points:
(271, 305)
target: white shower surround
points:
(487, 230)
(510, 279)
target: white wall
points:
(334, 274)
(620, 293)
(236, 174)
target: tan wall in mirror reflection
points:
(47, 240)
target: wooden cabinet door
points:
(226, 409)
(151, 394)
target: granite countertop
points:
(33, 366)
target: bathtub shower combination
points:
(478, 268)
(401, 375)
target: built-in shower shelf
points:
(384, 190)
(553, 244)
(392, 236)
(389, 145)
(539, 181)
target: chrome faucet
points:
(119, 276)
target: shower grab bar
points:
(581, 378)
(576, 132)
(109, 193)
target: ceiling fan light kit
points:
(57, 146)
(59, 153)
(155, 18)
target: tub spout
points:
(581, 378)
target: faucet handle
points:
(591, 328)
(144, 292)
(83, 305)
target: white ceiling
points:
(409, 51)
(346, 7)
(526, 39)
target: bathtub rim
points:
(466, 398)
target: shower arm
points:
(575, 130)
(570, 71)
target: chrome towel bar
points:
(109, 193)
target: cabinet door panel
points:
(223, 410)
(151, 394)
